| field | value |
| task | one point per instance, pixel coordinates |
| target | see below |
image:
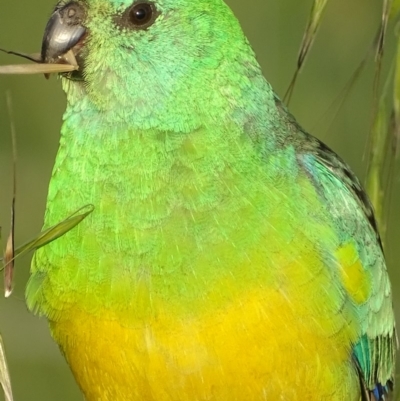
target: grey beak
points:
(63, 31)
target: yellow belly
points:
(260, 348)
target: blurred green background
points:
(275, 29)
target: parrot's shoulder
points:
(330, 175)
(327, 171)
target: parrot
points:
(230, 256)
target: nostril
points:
(73, 13)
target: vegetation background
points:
(275, 29)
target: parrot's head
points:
(151, 56)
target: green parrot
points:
(230, 255)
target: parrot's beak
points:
(64, 35)
(62, 45)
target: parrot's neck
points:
(153, 172)
(180, 159)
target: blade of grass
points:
(54, 232)
(310, 33)
(36, 68)
(4, 374)
(387, 7)
(9, 252)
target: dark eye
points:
(142, 15)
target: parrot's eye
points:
(142, 15)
